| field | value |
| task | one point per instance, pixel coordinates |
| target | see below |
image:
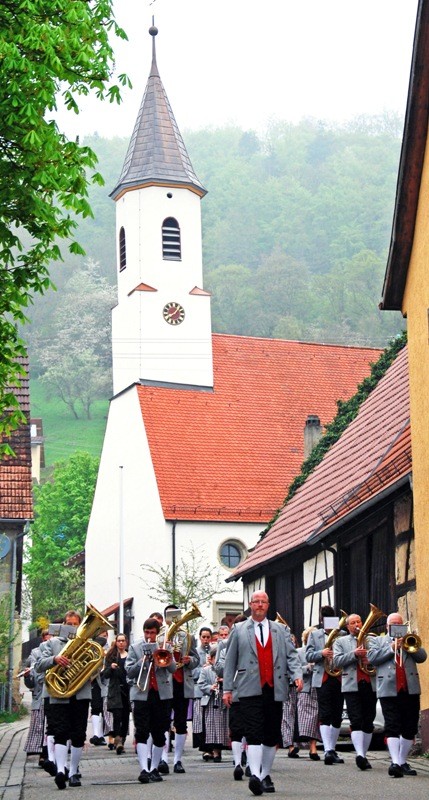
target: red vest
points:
(265, 658)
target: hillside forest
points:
(296, 230)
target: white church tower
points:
(161, 326)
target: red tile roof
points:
(230, 454)
(15, 471)
(372, 455)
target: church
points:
(205, 431)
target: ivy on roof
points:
(347, 411)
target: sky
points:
(249, 62)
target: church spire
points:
(156, 152)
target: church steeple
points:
(161, 325)
(156, 153)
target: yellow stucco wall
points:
(416, 308)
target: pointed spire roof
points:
(156, 152)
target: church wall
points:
(125, 445)
(141, 214)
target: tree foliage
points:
(76, 357)
(62, 508)
(49, 48)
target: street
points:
(103, 772)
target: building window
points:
(231, 554)
(122, 250)
(171, 249)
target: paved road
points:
(302, 779)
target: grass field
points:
(62, 433)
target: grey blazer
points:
(164, 675)
(48, 651)
(382, 656)
(345, 659)
(241, 668)
(35, 680)
(313, 653)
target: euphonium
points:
(281, 620)
(374, 614)
(174, 637)
(85, 655)
(329, 667)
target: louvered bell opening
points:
(122, 250)
(171, 240)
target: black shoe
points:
(119, 749)
(267, 784)
(97, 740)
(111, 746)
(314, 756)
(407, 770)
(363, 763)
(154, 776)
(60, 780)
(50, 767)
(255, 785)
(395, 771)
(328, 757)
(247, 772)
(144, 777)
(336, 758)
(294, 753)
(163, 768)
(217, 759)
(178, 767)
(74, 781)
(238, 773)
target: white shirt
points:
(265, 630)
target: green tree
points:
(49, 48)
(77, 356)
(62, 508)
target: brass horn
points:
(329, 667)
(280, 619)
(374, 614)
(411, 642)
(174, 637)
(85, 655)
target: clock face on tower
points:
(173, 313)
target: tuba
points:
(172, 639)
(374, 614)
(329, 667)
(85, 655)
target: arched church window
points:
(122, 250)
(171, 248)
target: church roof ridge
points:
(156, 152)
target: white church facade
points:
(205, 431)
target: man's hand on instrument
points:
(63, 661)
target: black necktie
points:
(261, 631)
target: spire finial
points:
(153, 30)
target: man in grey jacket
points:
(357, 688)
(398, 688)
(151, 696)
(68, 718)
(260, 661)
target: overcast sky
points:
(251, 61)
